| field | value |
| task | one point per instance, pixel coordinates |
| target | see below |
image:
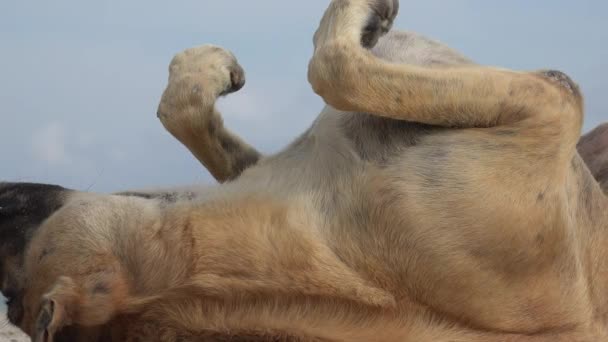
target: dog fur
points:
(433, 199)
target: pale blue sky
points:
(80, 80)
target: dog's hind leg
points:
(350, 78)
(197, 77)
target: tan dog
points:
(459, 210)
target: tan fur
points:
(477, 221)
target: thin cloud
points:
(49, 145)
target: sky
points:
(80, 80)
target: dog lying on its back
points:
(457, 209)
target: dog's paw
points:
(207, 69)
(360, 22)
(382, 14)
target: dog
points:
(433, 199)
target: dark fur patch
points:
(229, 145)
(561, 79)
(243, 161)
(46, 252)
(237, 80)
(602, 174)
(44, 319)
(574, 165)
(380, 21)
(165, 197)
(371, 32)
(138, 194)
(24, 206)
(377, 138)
(593, 148)
(506, 132)
(540, 197)
(101, 288)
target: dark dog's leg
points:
(187, 110)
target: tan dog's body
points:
(459, 211)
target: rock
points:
(9, 333)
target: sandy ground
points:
(8, 333)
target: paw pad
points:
(383, 13)
(561, 79)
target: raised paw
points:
(379, 21)
(561, 80)
(197, 77)
(363, 21)
(212, 68)
(201, 74)
(347, 29)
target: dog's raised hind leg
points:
(350, 78)
(197, 77)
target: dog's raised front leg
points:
(197, 77)
(350, 78)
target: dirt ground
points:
(8, 333)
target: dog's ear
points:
(56, 310)
(51, 318)
(90, 301)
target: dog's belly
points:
(433, 224)
(453, 239)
